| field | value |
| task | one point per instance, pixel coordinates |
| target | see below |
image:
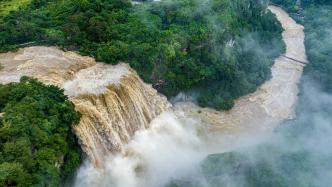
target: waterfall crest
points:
(113, 100)
(112, 115)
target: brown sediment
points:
(115, 103)
(273, 101)
(113, 100)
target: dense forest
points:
(316, 16)
(217, 49)
(298, 153)
(37, 147)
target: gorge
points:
(178, 141)
(133, 136)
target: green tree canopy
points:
(37, 146)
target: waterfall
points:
(114, 104)
(113, 100)
(118, 108)
(177, 141)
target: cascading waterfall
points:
(178, 140)
(113, 100)
(114, 103)
(117, 108)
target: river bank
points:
(178, 140)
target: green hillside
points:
(6, 6)
(217, 49)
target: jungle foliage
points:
(8, 6)
(316, 16)
(37, 147)
(298, 153)
(219, 49)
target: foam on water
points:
(96, 79)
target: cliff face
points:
(113, 100)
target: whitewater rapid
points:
(132, 134)
(178, 140)
(113, 100)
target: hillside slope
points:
(217, 49)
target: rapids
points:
(274, 101)
(178, 140)
(133, 136)
(113, 100)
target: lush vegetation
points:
(319, 44)
(298, 154)
(301, 156)
(316, 17)
(218, 49)
(37, 147)
(7, 6)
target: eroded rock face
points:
(113, 100)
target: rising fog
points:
(173, 149)
(177, 150)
